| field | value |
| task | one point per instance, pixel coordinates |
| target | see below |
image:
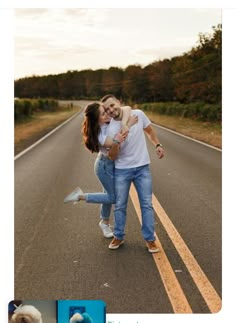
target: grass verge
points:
(210, 133)
(28, 132)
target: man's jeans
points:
(141, 177)
(104, 170)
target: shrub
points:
(197, 110)
(25, 108)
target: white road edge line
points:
(46, 136)
(187, 137)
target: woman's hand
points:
(120, 137)
(132, 121)
(124, 128)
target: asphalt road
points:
(60, 252)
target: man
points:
(132, 166)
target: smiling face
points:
(103, 116)
(112, 107)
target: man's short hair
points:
(108, 96)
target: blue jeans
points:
(104, 170)
(141, 177)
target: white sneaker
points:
(74, 196)
(106, 229)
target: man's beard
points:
(117, 116)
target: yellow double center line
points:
(175, 293)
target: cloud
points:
(30, 12)
(164, 52)
(28, 44)
(30, 48)
(79, 16)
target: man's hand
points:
(160, 152)
(153, 138)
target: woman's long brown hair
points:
(90, 127)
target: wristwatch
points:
(158, 145)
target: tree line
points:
(195, 76)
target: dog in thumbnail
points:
(26, 314)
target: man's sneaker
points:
(106, 229)
(74, 196)
(115, 244)
(152, 247)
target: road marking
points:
(203, 284)
(187, 137)
(174, 291)
(46, 136)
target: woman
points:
(94, 131)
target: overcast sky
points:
(52, 41)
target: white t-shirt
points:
(133, 151)
(102, 138)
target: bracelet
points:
(158, 145)
(116, 141)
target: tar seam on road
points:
(46, 136)
(173, 289)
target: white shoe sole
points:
(154, 251)
(115, 247)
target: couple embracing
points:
(117, 134)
